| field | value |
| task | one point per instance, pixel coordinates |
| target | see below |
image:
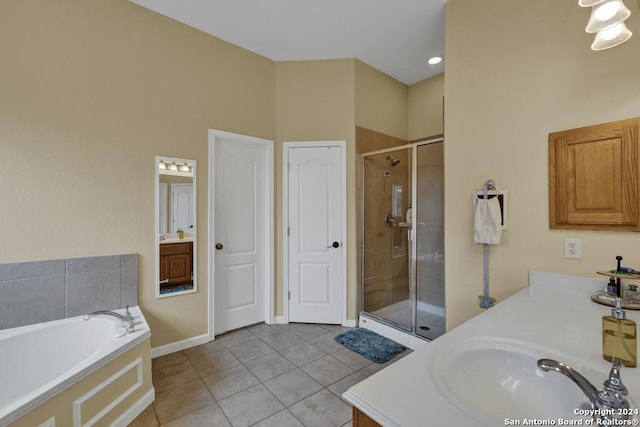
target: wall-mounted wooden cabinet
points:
(593, 177)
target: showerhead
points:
(394, 161)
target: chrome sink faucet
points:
(127, 319)
(607, 404)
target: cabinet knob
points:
(219, 246)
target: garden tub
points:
(39, 362)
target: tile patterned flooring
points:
(261, 375)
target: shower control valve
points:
(389, 221)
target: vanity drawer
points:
(176, 248)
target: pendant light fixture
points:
(607, 21)
(589, 3)
(611, 37)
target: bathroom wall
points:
(92, 91)
(381, 102)
(426, 108)
(315, 102)
(517, 71)
(41, 291)
(319, 100)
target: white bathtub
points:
(39, 361)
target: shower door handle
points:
(334, 245)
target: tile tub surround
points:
(41, 291)
(262, 375)
(554, 312)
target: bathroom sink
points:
(495, 379)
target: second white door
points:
(241, 230)
(316, 212)
(182, 201)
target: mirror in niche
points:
(175, 226)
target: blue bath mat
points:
(373, 346)
(169, 291)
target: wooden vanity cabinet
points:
(594, 175)
(176, 263)
(360, 419)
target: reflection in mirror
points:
(175, 226)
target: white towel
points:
(487, 221)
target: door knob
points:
(219, 246)
(334, 245)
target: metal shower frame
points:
(413, 147)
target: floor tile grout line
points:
(306, 338)
(296, 367)
(210, 392)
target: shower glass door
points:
(386, 246)
(430, 241)
(403, 238)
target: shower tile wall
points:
(41, 291)
(385, 282)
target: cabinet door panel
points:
(593, 177)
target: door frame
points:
(268, 224)
(342, 144)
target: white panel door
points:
(182, 208)
(239, 229)
(315, 213)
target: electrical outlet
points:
(573, 248)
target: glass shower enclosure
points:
(402, 252)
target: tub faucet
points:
(127, 321)
(608, 404)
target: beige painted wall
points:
(381, 102)
(326, 100)
(426, 113)
(315, 102)
(91, 92)
(512, 77)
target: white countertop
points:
(176, 240)
(555, 311)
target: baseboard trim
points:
(179, 345)
(280, 320)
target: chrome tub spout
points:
(127, 321)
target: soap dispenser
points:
(619, 337)
(408, 218)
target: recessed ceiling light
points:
(435, 60)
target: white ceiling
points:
(396, 37)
